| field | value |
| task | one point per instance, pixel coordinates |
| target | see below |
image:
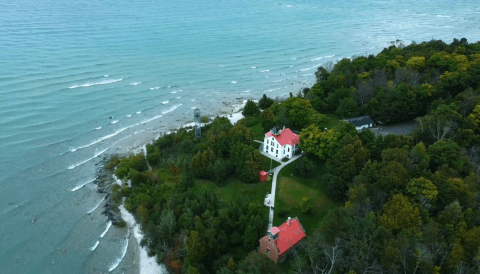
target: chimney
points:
(288, 221)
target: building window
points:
(277, 151)
(271, 149)
(277, 145)
(268, 251)
(288, 149)
(267, 147)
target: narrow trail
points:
(275, 171)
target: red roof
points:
(286, 137)
(289, 235)
(263, 173)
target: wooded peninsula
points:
(368, 202)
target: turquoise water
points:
(81, 79)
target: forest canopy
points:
(409, 203)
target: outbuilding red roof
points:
(286, 137)
(262, 173)
(289, 235)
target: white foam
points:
(89, 159)
(154, 88)
(95, 246)
(193, 100)
(234, 82)
(103, 82)
(138, 112)
(288, 6)
(254, 67)
(106, 75)
(179, 97)
(97, 128)
(151, 119)
(109, 224)
(294, 59)
(320, 58)
(93, 209)
(169, 86)
(267, 70)
(164, 102)
(129, 115)
(173, 92)
(135, 83)
(102, 138)
(117, 181)
(171, 109)
(137, 132)
(81, 185)
(193, 107)
(314, 67)
(246, 91)
(305, 75)
(445, 16)
(114, 122)
(119, 259)
(147, 264)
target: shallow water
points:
(79, 79)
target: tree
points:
(347, 108)
(196, 247)
(250, 238)
(417, 63)
(251, 109)
(303, 167)
(446, 152)
(400, 214)
(442, 122)
(265, 102)
(299, 110)
(423, 191)
(319, 142)
(306, 205)
(474, 117)
(366, 90)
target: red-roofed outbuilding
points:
(279, 241)
(280, 143)
(263, 176)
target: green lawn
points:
(234, 188)
(257, 131)
(290, 191)
(267, 162)
(333, 120)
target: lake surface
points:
(81, 79)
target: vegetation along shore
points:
(403, 202)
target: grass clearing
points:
(267, 162)
(257, 131)
(333, 120)
(233, 189)
(290, 191)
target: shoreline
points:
(145, 263)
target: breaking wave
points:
(103, 82)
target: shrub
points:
(283, 213)
(251, 121)
(306, 205)
(303, 167)
(113, 162)
(204, 119)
